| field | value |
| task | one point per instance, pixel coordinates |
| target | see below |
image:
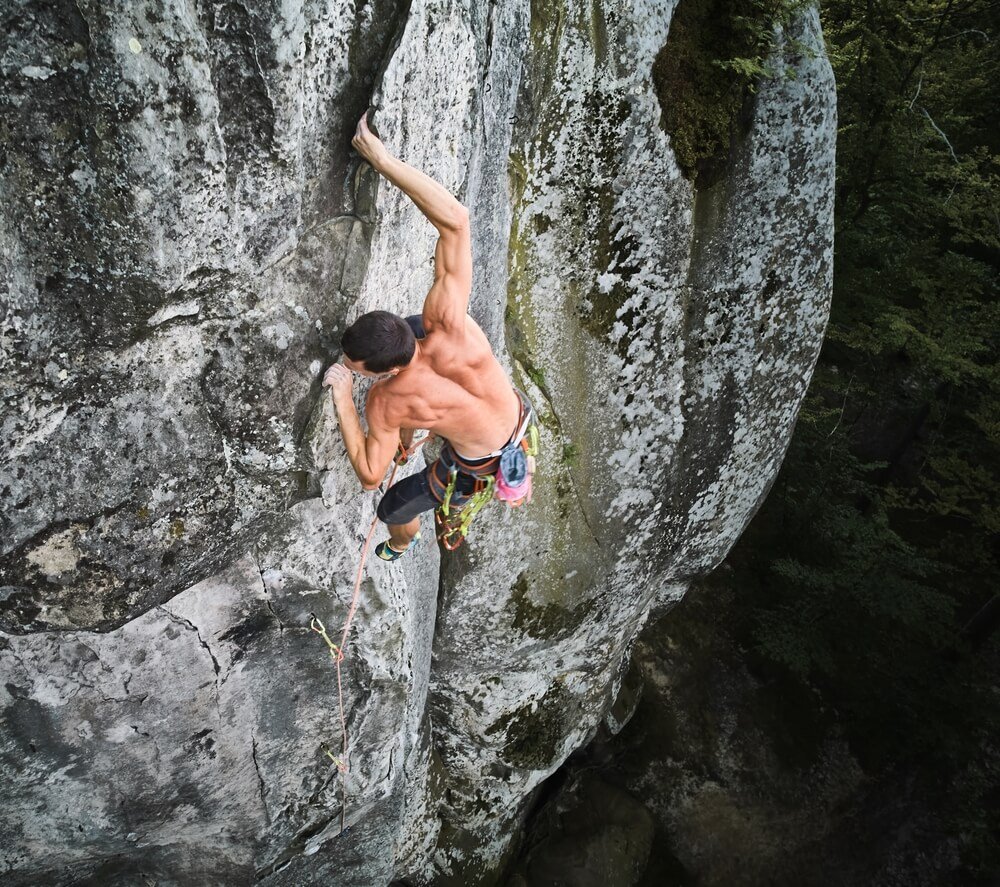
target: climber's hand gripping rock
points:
(341, 381)
(369, 145)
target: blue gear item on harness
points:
(514, 465)
(517, 463)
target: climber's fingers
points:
(367, 134)
(367, 144)
(340, 380)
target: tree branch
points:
(940, 132)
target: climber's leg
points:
(404, 502)
(402, 505)
(400, 509)
(401, 535)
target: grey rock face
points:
(655, 334)
(184, 236)
(180, 247)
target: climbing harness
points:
(510, 482)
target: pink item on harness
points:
(513, 479)
(513, 494)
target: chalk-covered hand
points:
(369, 145)
(341, 381)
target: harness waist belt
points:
(519, 432)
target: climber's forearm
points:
(431, 198)
(354, 440)
(406, 436)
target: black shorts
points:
(412, 495)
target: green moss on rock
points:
(535, 731)
(548, 621)
(714, 56)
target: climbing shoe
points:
(387, 553)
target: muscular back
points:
(455, 388)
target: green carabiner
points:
(446, 501)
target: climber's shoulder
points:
(463, 335)
(379, 404)
(448, 299)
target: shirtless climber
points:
(436, 371)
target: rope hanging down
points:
(453, 525)
(337, 651)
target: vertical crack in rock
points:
(215, 662)
(86, 26)
(281, 625)
(484, 82)
(351, 174)
(194, 628)
(487, 65)
(261, 788)
(255, 554)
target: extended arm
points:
(448, 299)
(432, 198)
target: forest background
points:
(865, 590)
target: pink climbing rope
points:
(337, 652)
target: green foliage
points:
(716, 54)
(877, 546)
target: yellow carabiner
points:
(446, 501)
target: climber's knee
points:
(406, 500)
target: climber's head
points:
(377, 342)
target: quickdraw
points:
(454, 525)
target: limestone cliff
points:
(184, 232)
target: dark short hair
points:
(379, 339)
